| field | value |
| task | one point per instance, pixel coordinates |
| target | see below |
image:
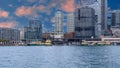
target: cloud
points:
(53, 4)
(41, 8)
(10, 5)
(4, 14)
(10, 24)
(69, 6)
(33, 11)
(25, 11)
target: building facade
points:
(34, 31)
(21, 33)
(109, 20)
(101, 9)
(84, 23)
(9, 34)
(116, 31)
(59, 24)
(70, 23)
(104, 11)
(116, 18)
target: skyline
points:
(16, 14)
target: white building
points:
(21, 33)
(70, 22)
(59, 23)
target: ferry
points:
(96, 43)
(39, 43)
(84, 43)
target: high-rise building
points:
(109, 20)
(84, 23)
(59, 24)
(116, 18)
(100, 7)
(34, 31)
(70, 22)
(9, 34)
(104, 9)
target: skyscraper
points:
(34, 31)
(104, 9)
(70, 22)
(100, 7)
(109, 20)
(84, 23)
(59, 23)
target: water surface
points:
(60, 57)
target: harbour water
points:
(60, 57)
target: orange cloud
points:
(11, 24)
(4, 14)
(69, 6)
(24, 11)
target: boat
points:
(84, 43)
(39, 43)
(47, 43)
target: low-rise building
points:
(116, 31)
(69, 35)
(9, 34)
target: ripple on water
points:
(60, 57)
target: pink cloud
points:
(53, 4)
(24, 11)
(42, 8)
(69, 6)
(11, 24)
(4, 14)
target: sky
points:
(17, 13)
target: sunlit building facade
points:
(70, 22)
(59, 27)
